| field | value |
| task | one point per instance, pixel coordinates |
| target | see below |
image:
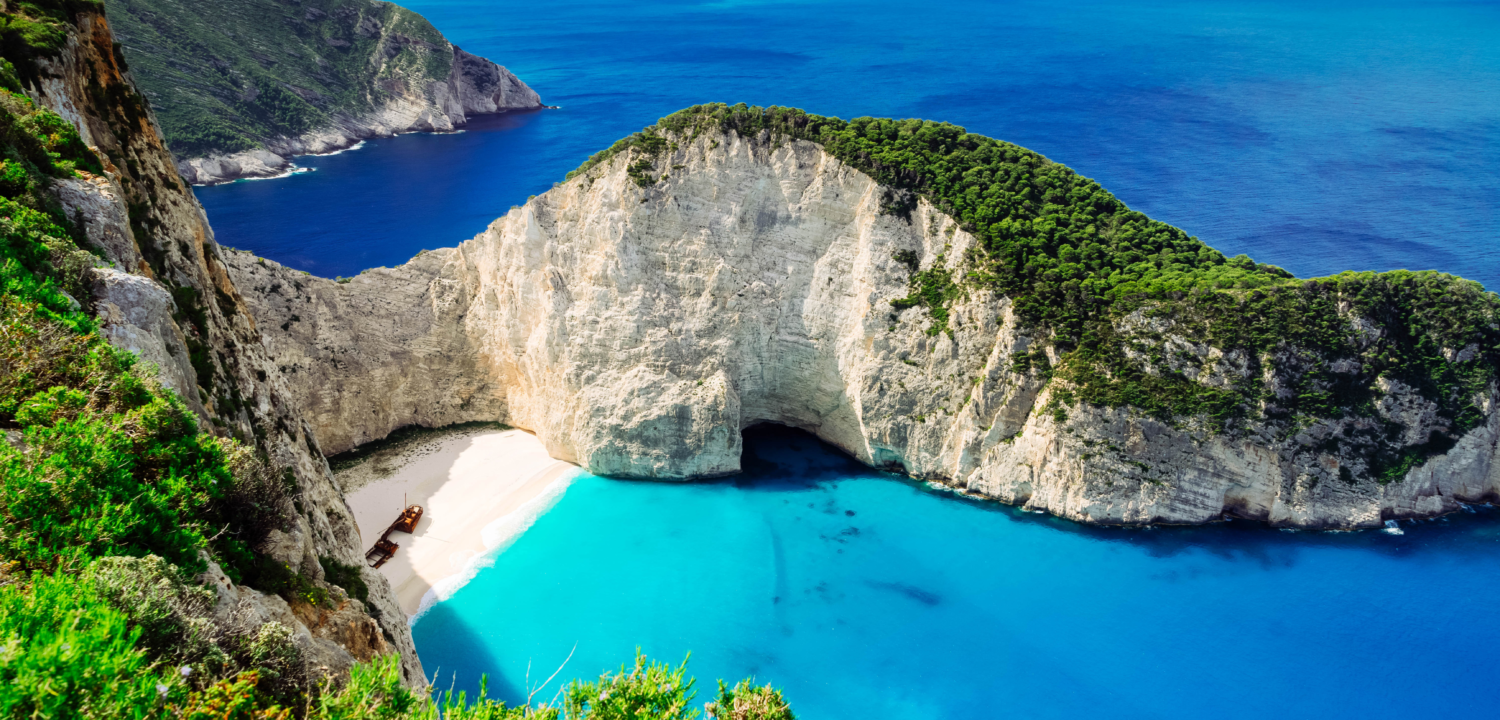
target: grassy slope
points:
(1076, 261)
(225, 75)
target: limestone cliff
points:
(637, 323)
(168, 297)
(243, 85)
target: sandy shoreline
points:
(479, 488)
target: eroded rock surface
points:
(167, 296)
(636, 325)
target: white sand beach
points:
(465, 481)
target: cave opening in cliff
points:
(777, 454)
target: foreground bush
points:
(746, 701)
(64, 654)
(646, 691)
(125, 639)
(654, 690)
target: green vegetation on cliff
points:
(107, 462)
(1078, 265)
(107, 484)
(100, 465)
(226, 75)
(32, 29)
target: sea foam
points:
(498, 535)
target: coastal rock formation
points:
(476, 86)
(640, 315)
(167, 297)
(242, 87)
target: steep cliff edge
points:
(241, 86)
(705, 276)
(157, 286)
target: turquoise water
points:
(867, 596)
(1318, 136)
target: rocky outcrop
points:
(135, 314)
(329, 638)
(167, 296)
(395, 332)
(242, 86)
(475, 86)
(637, 324)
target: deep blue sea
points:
(1317, 136)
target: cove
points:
(866, 595)
(1319, 136)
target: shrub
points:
(81, 646)
(66, 654)
(646, 690)
(347, 577)
(236, 699)
(271, 652)
(260, 497)
(272, 576)
(90, 487)
(175, 618)
(170, 612)
(747, 701)
(374, 692)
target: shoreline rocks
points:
(475, 87)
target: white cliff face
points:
(475, 86)
(637, 330)
(384, 351)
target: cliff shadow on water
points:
(470, 649)
(778, 458)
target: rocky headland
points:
(717, 271)
(242, 87)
